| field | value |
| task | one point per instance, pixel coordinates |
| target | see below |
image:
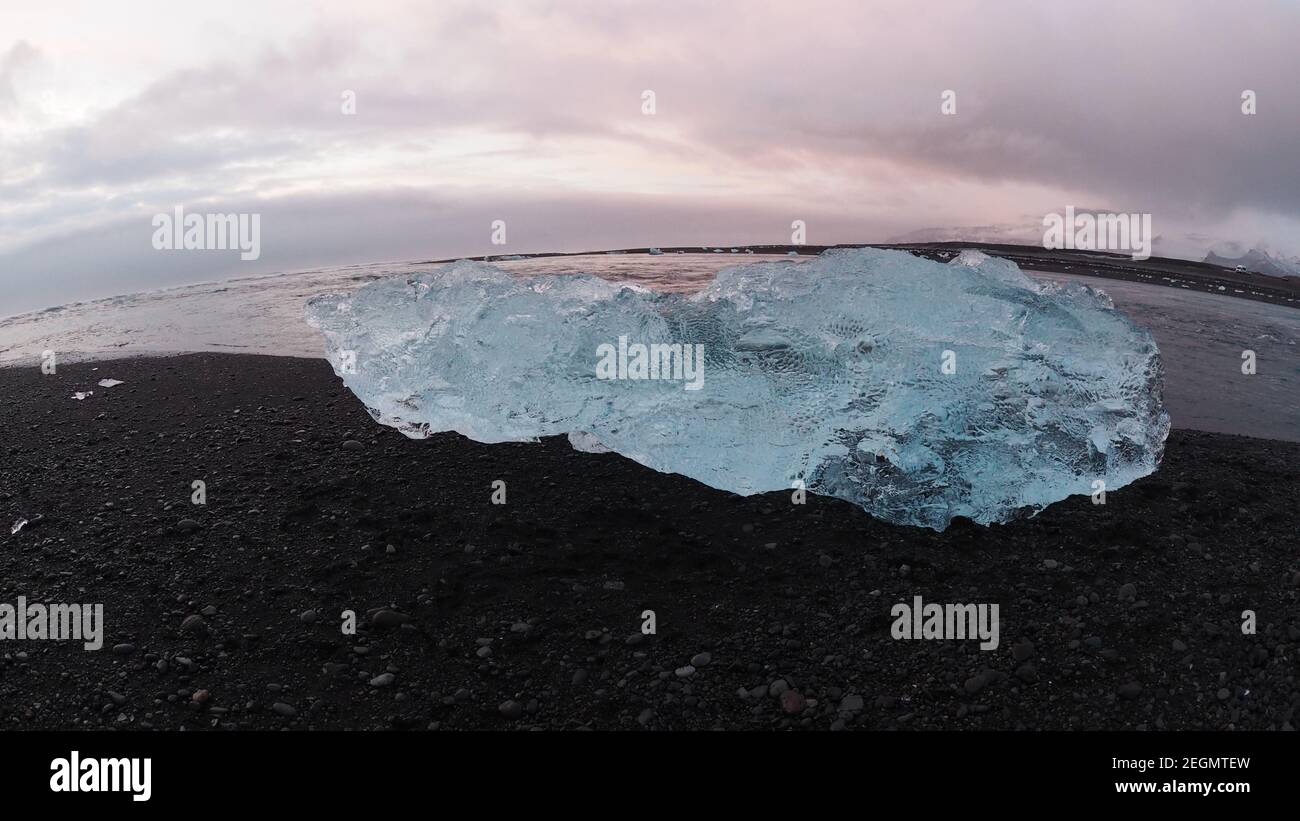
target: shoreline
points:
(528, 614)
(1276, 290)
(1183, 399)
(1161, 271)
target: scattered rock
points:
(1130, 691)
(389, 618)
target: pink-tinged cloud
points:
(764, 112)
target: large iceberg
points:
(917, 390)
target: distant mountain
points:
(1030, 233)
(1261, 262)
(980, 234)
(1228, 254)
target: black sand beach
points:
(769, 615)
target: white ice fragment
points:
(18, 525)
(79, 395)
(108, 383)
(585, 442)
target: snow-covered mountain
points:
(1259, 261)
(983, 234)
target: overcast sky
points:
(532, 112)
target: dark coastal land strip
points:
(479, 616)
(1174, 273)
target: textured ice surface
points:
(830, 373)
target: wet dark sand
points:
(528, 614)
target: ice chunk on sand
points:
(108, 383)
(585, 442)
(918, 390)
